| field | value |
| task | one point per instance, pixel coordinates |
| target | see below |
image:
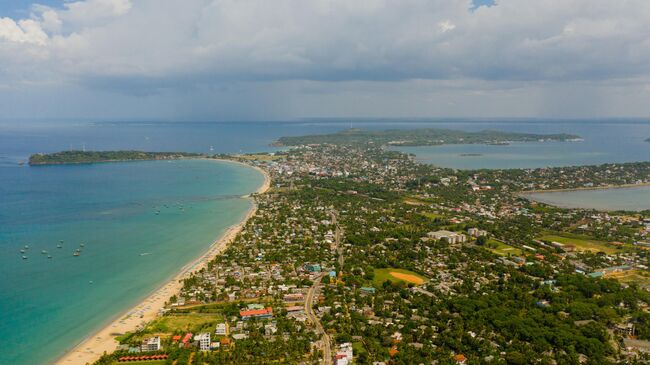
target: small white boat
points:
(24, 257)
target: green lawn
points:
(502, 249)
(432, 215)
(381, 275)
(582, 244)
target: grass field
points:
(397, 276)
(582, 244)
(502, 249)
(634, 276)
(432, 215)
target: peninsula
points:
(81, 157)
(421, 137)
(361, 254)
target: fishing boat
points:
(82, 244)
(59, 246)
(22, 251)
(49, 256)
(26, 247)
(43, 252)
(76, 253)
(24, 257)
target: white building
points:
(204, 341)
(151, 344)
(344, 354)
(222, 329)
(451, 237)
(475, 232)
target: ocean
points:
(49, 305)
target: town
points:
(360, 255)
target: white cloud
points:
(23, 31)
(146, 46)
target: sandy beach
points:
(91, 348)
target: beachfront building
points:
(151, 344)
(204, 341)
(265, 313)
(450, 237)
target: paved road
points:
(309, 310)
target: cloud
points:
(147, 46)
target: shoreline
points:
(91, 348)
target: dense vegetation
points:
(70, 157)
(419, 137)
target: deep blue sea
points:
(48, 305)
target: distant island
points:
(421, 137)
(80, 157)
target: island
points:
(421, 137)
(84, 157)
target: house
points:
(257, 314)
(344, 354)
(204, 341)
(367, 290)
(460, 359)
(450, 237)
(294, 297)
(186, 340)
(222, 329)
(151, 344)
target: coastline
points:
(95, 345)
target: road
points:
(309, 310)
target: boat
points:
(82, 244)
(43, 252)
(59, 246)
(49, 256)
(26, 247)
(24, 257)
(76, 253)
(22, 251)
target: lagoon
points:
(631, 198)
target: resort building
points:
(204, 341)
(151, 344)
(450, 237)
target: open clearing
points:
(502, 248)
(582, 244)
(397, 276)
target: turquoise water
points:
(48, 305)
(634, 199)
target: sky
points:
(292, 59)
